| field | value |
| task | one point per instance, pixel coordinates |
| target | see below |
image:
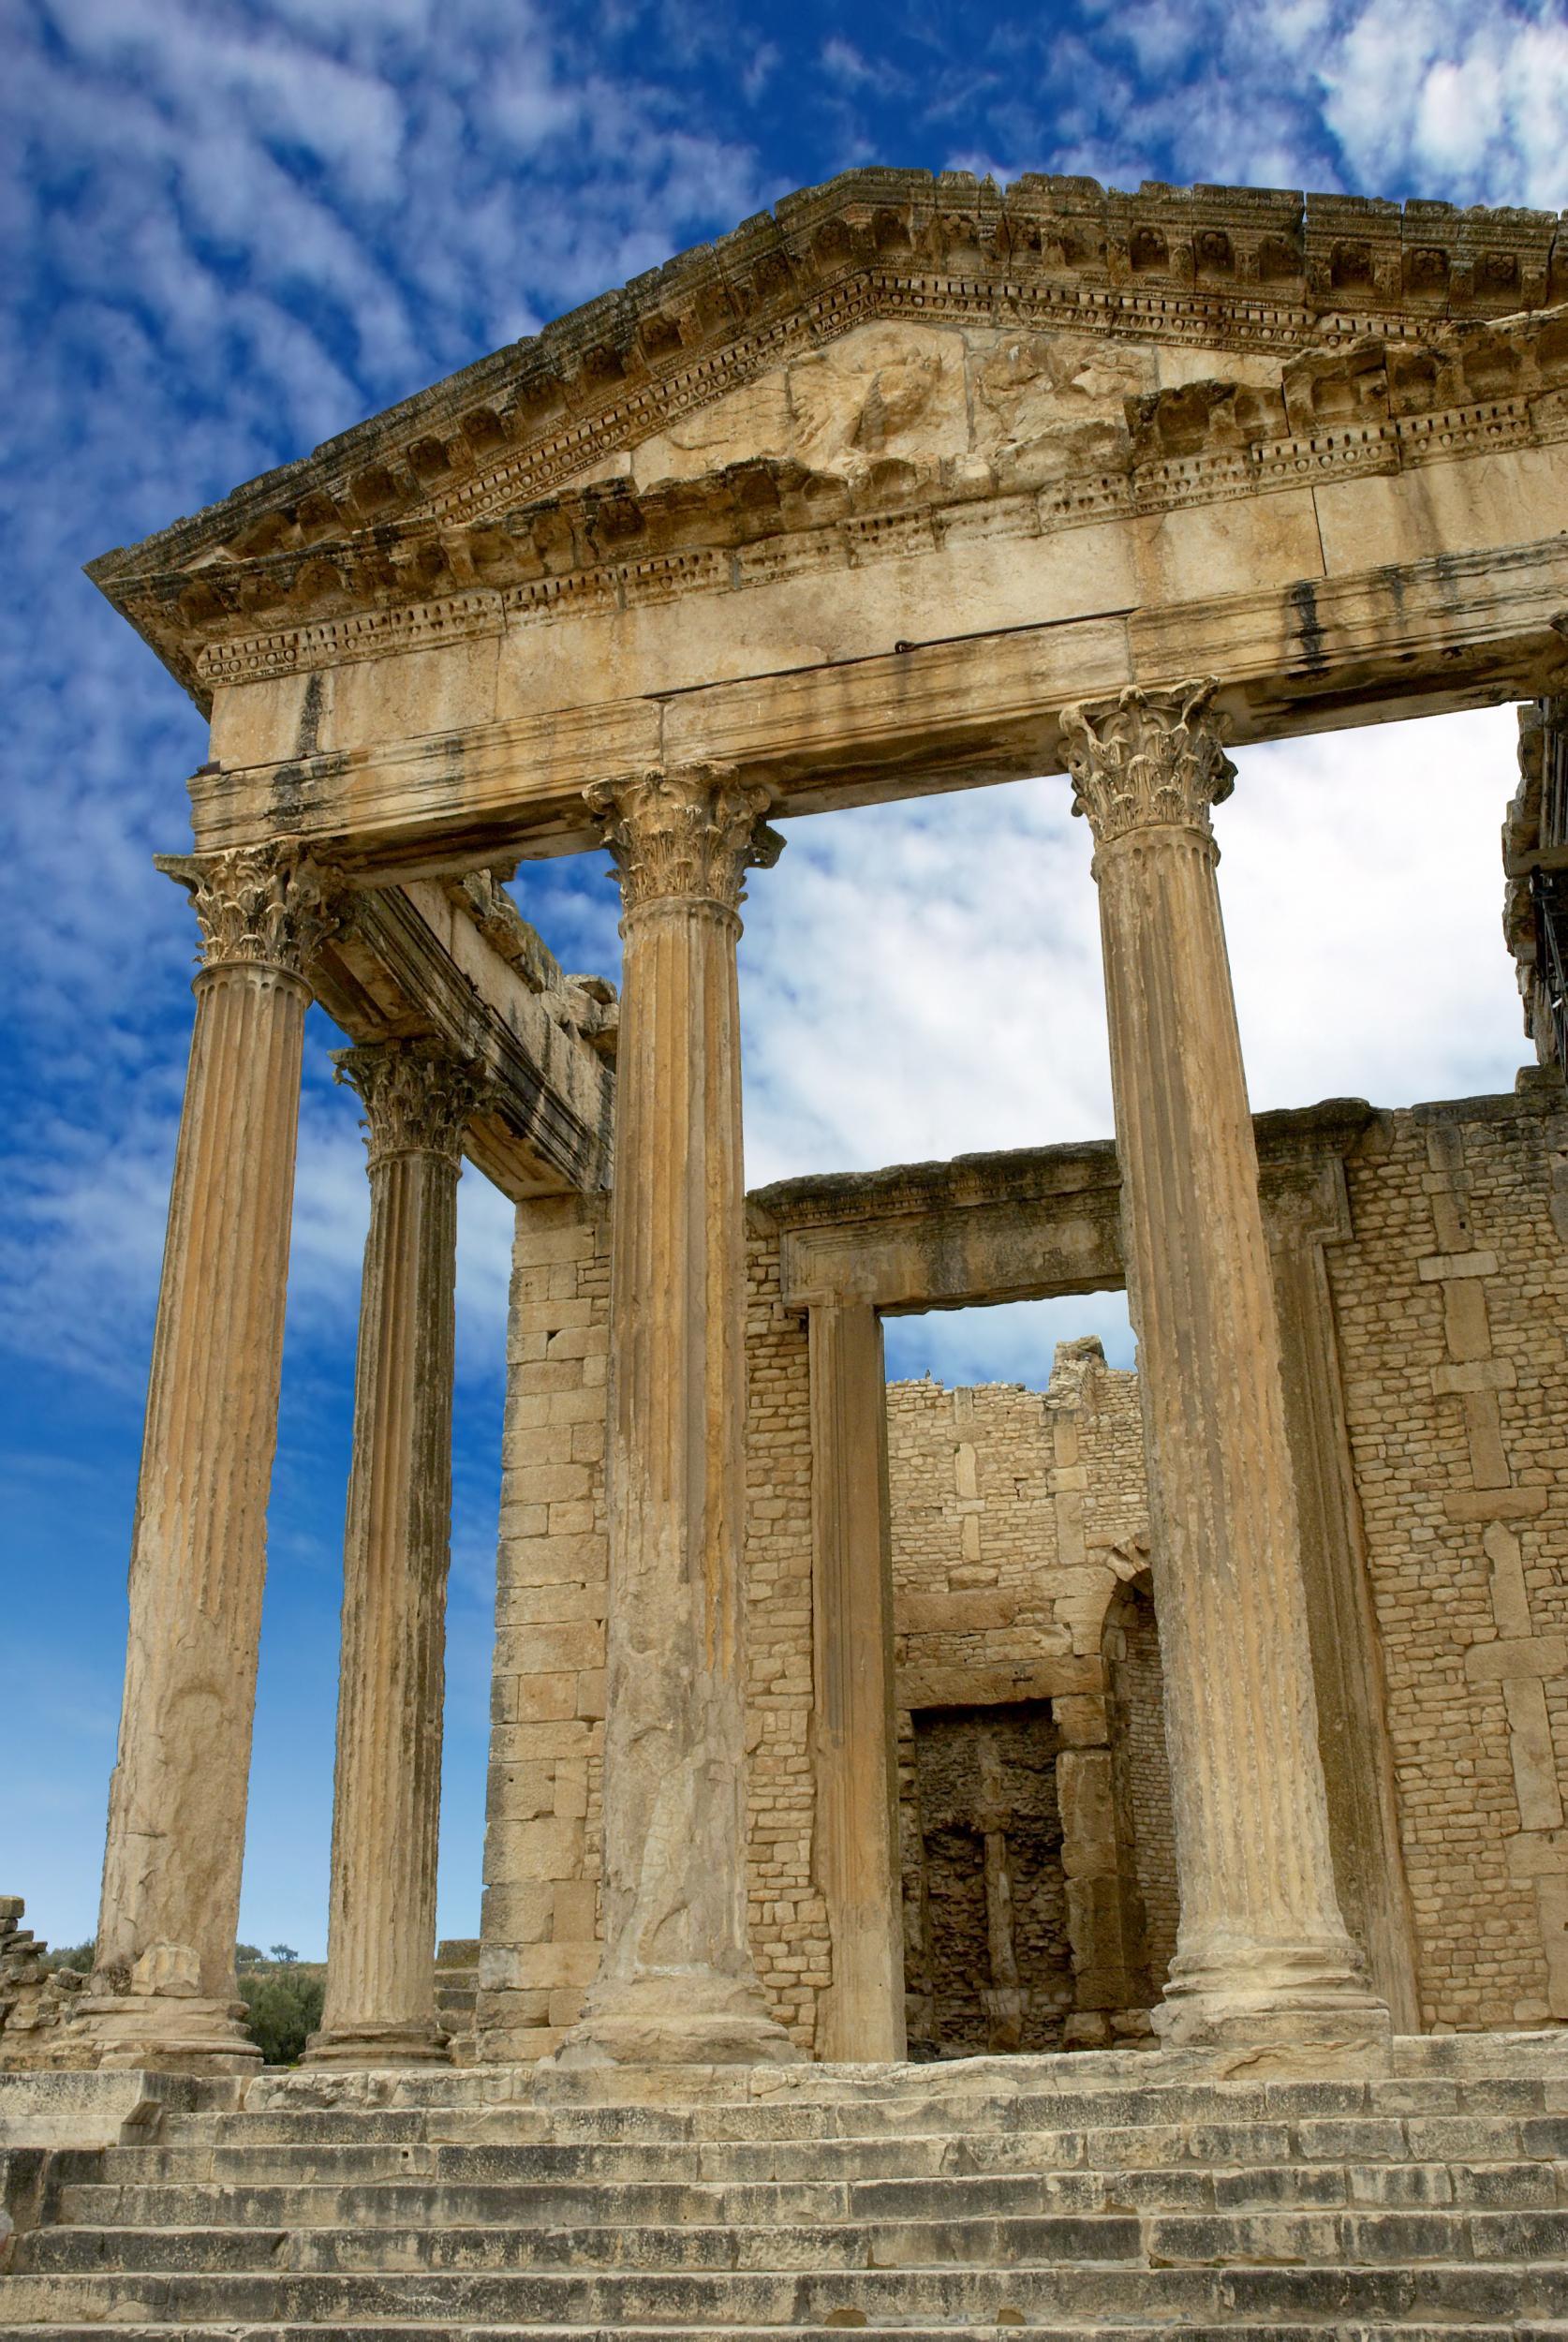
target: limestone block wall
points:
(544, 1843)
(1017, 1514)
(542, 1840)
(1452, 1305)
(1014, 1513)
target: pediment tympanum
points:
(889, 342)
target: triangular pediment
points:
(888, 340)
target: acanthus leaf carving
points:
(267, 906)
(1147, 759)
(417, 1097)
(687, 835)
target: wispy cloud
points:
(1391, 98)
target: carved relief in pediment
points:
(1036, 407)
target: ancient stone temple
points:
(1080, 1857)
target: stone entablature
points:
(1329, 413)
(1206, 265)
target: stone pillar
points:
(861, 2015)
(380, 2000)
(1104, 1913)
(1305, 1207)
(1262, 1954)
(675, 1982)
(164, 1990)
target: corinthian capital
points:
(689, 834)
(1145, 760)
(260, 906)
(417, 1097)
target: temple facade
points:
(1225, 1711)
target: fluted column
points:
(675, 1982)
(164, 1990)
(1263, 1953)
(380, 2000)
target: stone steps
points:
(1048, 2330)
(494, 2203)
(588, 2198)
(1327, 2295)
(1455, 2141)
(968, 2240)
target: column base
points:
(179, 2034)
(693, 2018)
(370, 2045)
(1304, 1998)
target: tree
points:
(285, 1955)
(285, 2010)
(77, 1956)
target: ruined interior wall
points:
(1016, 1514)
(1017, 1517)
(543, 1841)
(36, 2000)
(1452, 1303)
(1004, 1554)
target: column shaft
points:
(164, 1990)
(380, 2000)
(676, 1982)
(1262, 1952)
(852, 1604)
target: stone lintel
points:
(981, 1686)
(1446, 630)
(415, 962)
(1026, 1224)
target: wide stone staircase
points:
(1069, 2196)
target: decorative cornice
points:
(687, 835)
(1147, 760)
(417, 1098)
(1268, 257)
(260, 906)
(1368, 407)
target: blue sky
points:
(230, 228)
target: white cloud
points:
(924, 980)
(1437, 98)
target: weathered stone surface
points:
(164, 1990)
(676, 1981)
(1263, 1948)
(380, 1997)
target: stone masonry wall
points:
(542, 1839)
(544, 1843)
(1452, 1303)
(1015, 1515)
(1005, 1553)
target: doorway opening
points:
(1034, 1790)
